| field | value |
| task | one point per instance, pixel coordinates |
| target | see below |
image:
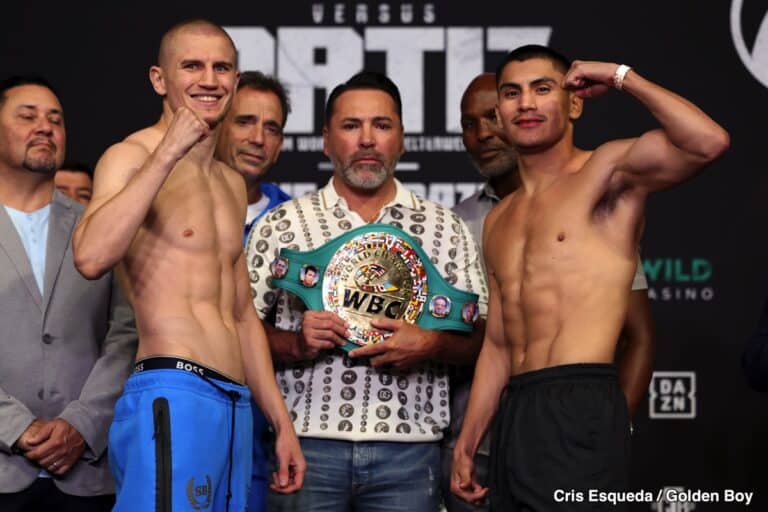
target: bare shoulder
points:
(233, 178)
(235, 182)
(499, 210)
(119, 163)
(148, 138)
(131, 152)
(495, 221)
(123, 158)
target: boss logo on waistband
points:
(189, 367)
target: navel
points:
(560, 236)
(187, 233)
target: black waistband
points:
(586, 371)
(179, 363)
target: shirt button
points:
(47, 339)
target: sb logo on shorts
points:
(199, 496)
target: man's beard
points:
(375, 174)
(504, 163)
(42, 164)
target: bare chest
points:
(538, 234)
(194, 213)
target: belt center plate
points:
(372, 275)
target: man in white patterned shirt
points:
(369, 422)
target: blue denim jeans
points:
(365, 476)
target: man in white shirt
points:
(369, 421)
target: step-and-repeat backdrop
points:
(702, 428)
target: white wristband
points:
(618, 76)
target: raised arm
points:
(687, 140)
(127, 180)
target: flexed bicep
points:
(686, 142)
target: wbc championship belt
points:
(373, 271)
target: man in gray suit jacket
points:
(66, 343)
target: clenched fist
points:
(590, 79)
(185, 131)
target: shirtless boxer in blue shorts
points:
(172, 217)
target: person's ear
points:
(575, 107)
(157, 79)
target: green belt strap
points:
(320, 257)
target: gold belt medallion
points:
(372, 275)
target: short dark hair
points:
(365, 80)
(18, 80)
(261, 82)
(77, 166)
(310, 267)
(534, 51)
